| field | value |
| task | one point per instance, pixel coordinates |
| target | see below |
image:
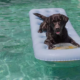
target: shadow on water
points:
(63, 70)
(64, 63)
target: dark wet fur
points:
(50, 24)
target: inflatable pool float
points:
(41, 51)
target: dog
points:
(56, 32)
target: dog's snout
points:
(57, 29)
(57, 26)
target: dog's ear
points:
(51, 18)
(40, 16)
(64, 18)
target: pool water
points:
(17, 61)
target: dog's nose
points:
(57, 29)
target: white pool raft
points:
(41, 50)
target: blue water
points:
(17, 61)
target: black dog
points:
(56, 32)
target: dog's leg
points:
(40, 16)
(50, 46)
(73, 42)
(49, 43)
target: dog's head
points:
(58, 22)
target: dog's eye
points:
(54, 22)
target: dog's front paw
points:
(78, 45)
(51, 46)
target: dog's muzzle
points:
(57, 30)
